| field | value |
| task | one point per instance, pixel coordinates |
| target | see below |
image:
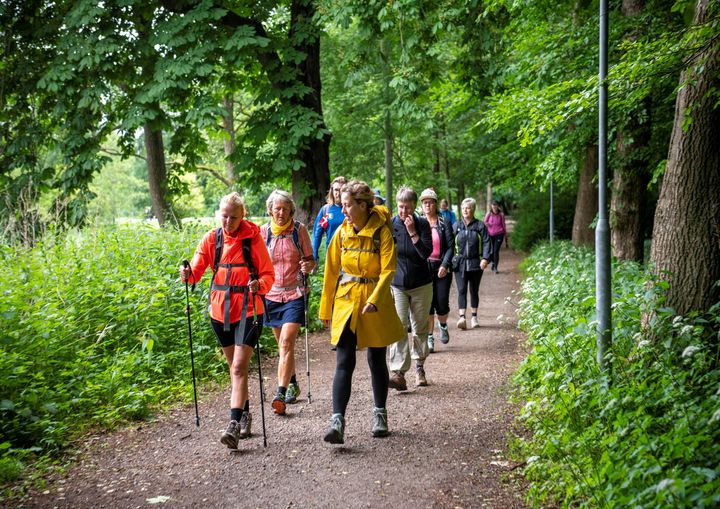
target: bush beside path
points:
(448, 446)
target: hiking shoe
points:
(444, 335)
(397, 381)
(232, 435)
(293, 391)
(245, 425)
(420, 380)
(474, 323)
(380, 427)
(336, 431)
(462, 324)
(431, 343)
(278, 403)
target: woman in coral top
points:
(288, 243)
(240, 272)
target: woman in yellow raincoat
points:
(356, 301)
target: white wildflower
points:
(715, 417)
(665, 483)
(501, 319)
(690, 351)
(643, 343)
(532, 459)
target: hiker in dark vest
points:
(357, 304)
(412, 290)
(242, 271)
(288, 243)
(329, 218)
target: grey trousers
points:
(413, 308)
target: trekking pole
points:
(262, 390)
(186, 265)
(307, 352)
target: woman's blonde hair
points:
(280, 195)
(234, 200)
(359, 191)
(330, 199)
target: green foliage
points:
(648, 435)
(533, 218)
(94, 332)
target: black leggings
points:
(496, 242)
(462, 279)
(345, 365)
(441, 292)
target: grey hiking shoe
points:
(336, 431)
(293, 391)
(462, 324)
(420, 380)
(397, 381)
(232, 435)
(379, 427)
(431, 343)
(245, 425)
(444, 335)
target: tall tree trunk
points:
(631, 175)
(157, 173)
(312, 179)
(387, 127)
(686, 237)
(586, 204)
(228, 123)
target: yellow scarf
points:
(277, 229)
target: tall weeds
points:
(646, 434)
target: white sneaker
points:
(474, 323)
(462, 324)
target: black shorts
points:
(249, 336)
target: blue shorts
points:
(280, 313)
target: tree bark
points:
(586, 204)
(312, 179)
(157, 173)
(686, 238)
(631, 175)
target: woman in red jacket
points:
(241, 269)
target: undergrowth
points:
(644, 434)
(94, 332)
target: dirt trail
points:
(447, 447)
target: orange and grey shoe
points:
(278, 403)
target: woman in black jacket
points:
(443, 248)
(473, 255)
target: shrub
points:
(533, 219)
(648, 435)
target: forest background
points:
(108, 108)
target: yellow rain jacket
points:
(358, 269)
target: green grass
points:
(94, 333)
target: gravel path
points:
(447, 448)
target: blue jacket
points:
(334, 217)
(449, 217)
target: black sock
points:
(475, 315)
(443, 325)
(282, 390)
(293, 380)
(247, 405)
(236, 414)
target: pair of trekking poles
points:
(186, 265)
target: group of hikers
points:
(386, 279)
